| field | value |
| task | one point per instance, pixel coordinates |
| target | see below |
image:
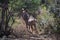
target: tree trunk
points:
(4, 23)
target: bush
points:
(45, 19)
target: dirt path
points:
(41, 37)
(23, 34)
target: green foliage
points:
(31, 5)
(45, 19)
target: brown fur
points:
(32, 25)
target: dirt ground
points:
(23, 34)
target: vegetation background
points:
(47, 13)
